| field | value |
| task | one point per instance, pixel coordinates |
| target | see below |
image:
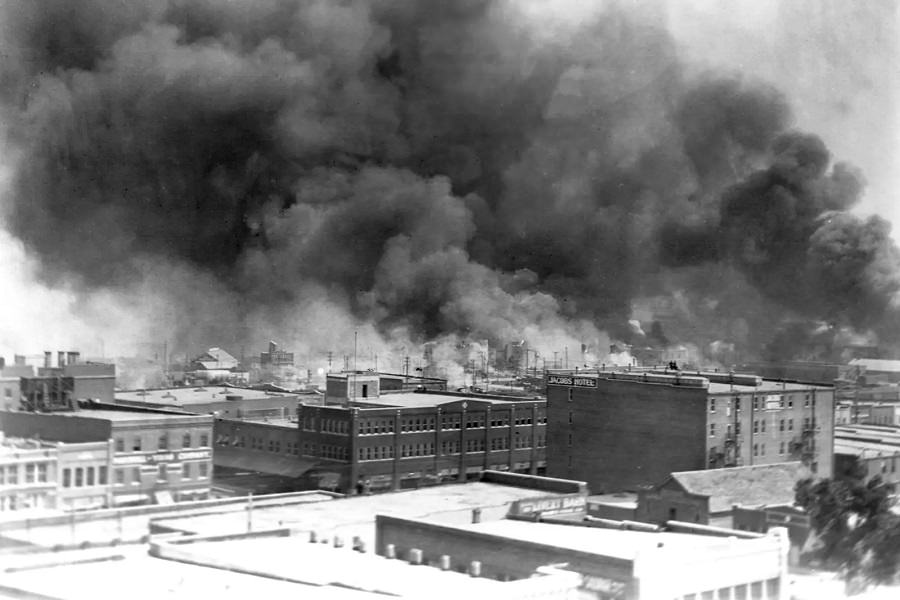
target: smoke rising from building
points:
(412, 171)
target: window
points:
(571, 418)
(79, 477)
(90, 476)
(30, 473)
(755, 426)
(186, 440)
(204, 469)
(790, 424)
(101, 475)
(161, 473)
(67, 477)
(712, 405)
(163, 442)
(570, 439)
(762, 425)
(762, 450)
(186, 471)
(204, 440)
(570, 394)
(790, 402)
(136, 445)
(737, 404)
(136, 475)
(755, 449)
(120, 477)
(42, 473)
(120, 445)
(712, 430)
(12, 475)
(781, 425)
(781, 448)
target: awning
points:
(261, 462)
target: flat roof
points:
(616, 543)
(768, 386)
(295, 558)
(196, 395)
(355, 515)
(125, 415)
(426, 399)
(121, 570)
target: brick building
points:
(621, 430)
(156, 457)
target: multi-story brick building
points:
(619, 430)
(156, 457)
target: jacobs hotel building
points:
(622, 430)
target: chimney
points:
(72, 357)
(60, 359)
(48, 359)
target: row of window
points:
(164, 442)
(84, 476)
(33, 473)
(132, 475)
(759, 426)
(257, 443)
(333, 452)
(761, 403)
(337, 426)
(453, 421)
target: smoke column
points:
(416, 171)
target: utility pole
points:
(406, 365)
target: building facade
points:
(620, 430)
(28, 474)
(156, 457)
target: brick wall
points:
(625, 434)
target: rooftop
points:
(866, 441)
(616, 543)
(185, 396)
(426, 399)
(355, 516)
(124, 416)
(755, 485)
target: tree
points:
(858, 534)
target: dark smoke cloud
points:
(425, 169)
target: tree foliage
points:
(856, 531)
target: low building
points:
(28, 475)
(612, 563)
(708, 497)
(216, 366)
(10, 385)
(157, 457)
(867, 450)
(220, 401)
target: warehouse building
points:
(620, 430)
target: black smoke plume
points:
(424, 170)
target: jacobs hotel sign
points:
(570, 380)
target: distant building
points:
(71, 380)
(620, 430)
(275, 357)
(10, 385)
(709, 496)
(217, 366)
(868, 450)
(221, 401)
(156, 457)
